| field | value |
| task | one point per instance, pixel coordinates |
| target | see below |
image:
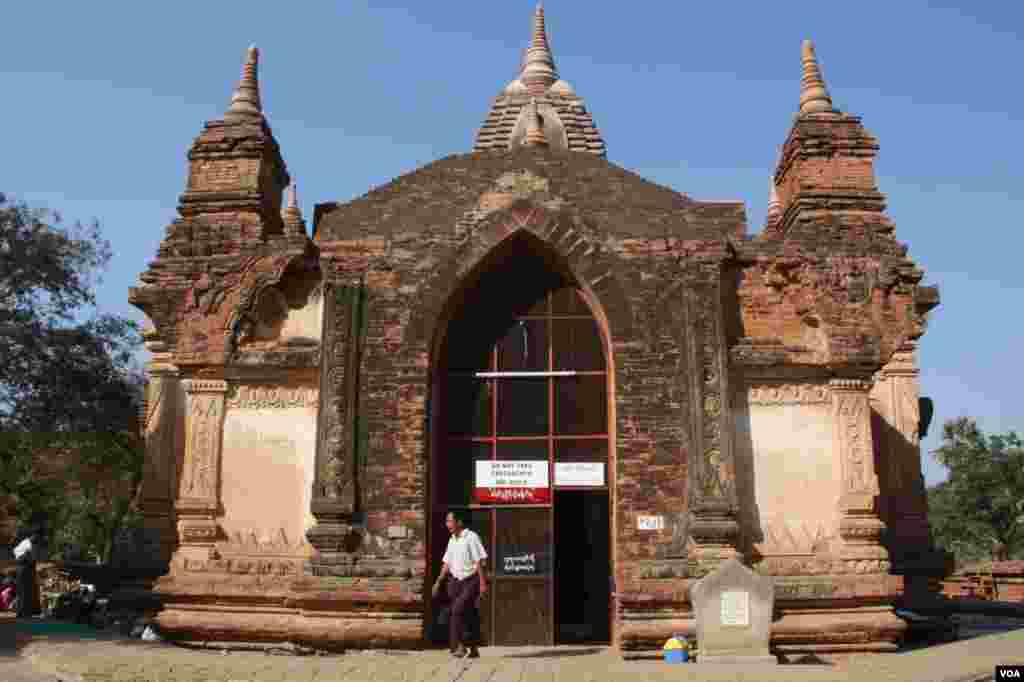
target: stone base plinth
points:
(649, 634)
(815, 615)
(824, 630)
(811, 630)
(325, 614)
(329, 631)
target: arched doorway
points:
(521, 415)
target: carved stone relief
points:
(859, 526)
(853, 435)
(341, 446)
(716, 475)
(267, 567)
(198, 491)
(713, 504)
(335, 468)
(203, 445)
(800, 537)
(257, 542)
(672, 322)
(820, 565)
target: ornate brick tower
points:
(830, 296)
(205, 294)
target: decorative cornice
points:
(248, 397)
(787, 394)
(205, 386)
(850, 385)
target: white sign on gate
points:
(579, 473)
(736, 608)
(650, 523)
(511, 474)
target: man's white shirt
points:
(23, 548)
(462, 553)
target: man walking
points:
(27, 552)
(464, 561)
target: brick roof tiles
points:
(430, 198)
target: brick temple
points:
(620, 384)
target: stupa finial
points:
(291, 214)
(245, 102)
(539, 66)
(814, 97)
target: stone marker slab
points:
(733, 607)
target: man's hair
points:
(459, 515)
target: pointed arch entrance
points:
(521, 422)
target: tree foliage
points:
(69, 387)
(982, 503)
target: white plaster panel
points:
(267, 471)
(796, 479)
(304, 322)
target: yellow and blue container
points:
(676, 649)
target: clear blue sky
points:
(102, 100)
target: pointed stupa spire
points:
(293, 196)
(534, 128)
(567, 125)
(774, 205)
(814, 97)
(245, 102)
(539, 66)
(291, 214)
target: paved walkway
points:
(114, 659)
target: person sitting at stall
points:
(7, 593)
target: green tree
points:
(982, 502)
(70, 389)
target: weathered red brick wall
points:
(1007, 575)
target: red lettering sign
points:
(512, 495)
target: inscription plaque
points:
(736, 608)
(733, 608)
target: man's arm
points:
(480, 569)
(440, 578)
(481, 563)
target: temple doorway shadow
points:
(748, 512)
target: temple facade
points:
(618, 383)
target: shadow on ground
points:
(16, 634)
(557, 653)
(806, 659)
